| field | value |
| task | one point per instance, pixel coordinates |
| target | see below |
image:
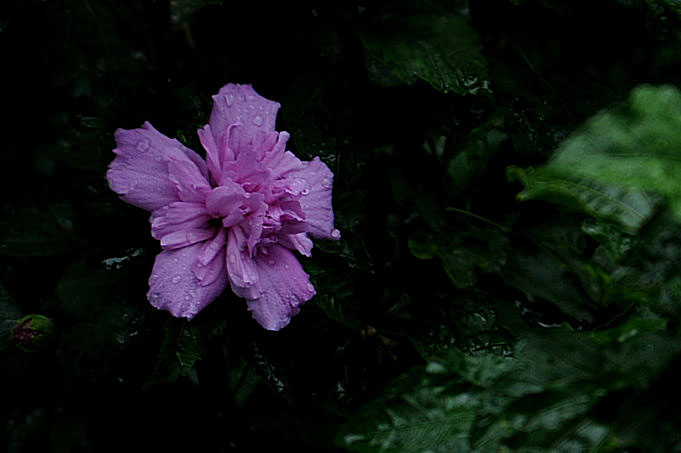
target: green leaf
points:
(420, 412)
(631, 207)
(462, 253)
(540, 400)
(183, 345)
(629, 150)
(103, 304)
(469, 163)
(440, 49)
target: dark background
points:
(113, 373)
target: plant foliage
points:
(506, 184)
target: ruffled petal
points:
(212, 155)
(189, 183)
(211, 262)
(240, 265)
(300, 242)
(175, 288)
(279, 161)
(282, 286)
(240, 104)
(139, 173)
(316, 203)
(185, 238)
(178, 216)
(225, 200)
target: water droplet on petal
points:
(310, 287)
(285, 266)
(335, 234)
(176, 279)
(300, 186)
(229, 99)
(232, 258)
(247, 195)
(191, 237)
(142, 145)
(154, 276)
(257, 120)
(155, 296)
(326, 183)
(176, 260)
(187, 297)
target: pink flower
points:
(236, 217)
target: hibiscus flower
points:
(237, 217)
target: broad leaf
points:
(618, 155)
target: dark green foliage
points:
(506, 185)
(440, 49)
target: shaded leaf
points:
(631, 207)
(627, 150)
(32, 231)
(439, 49)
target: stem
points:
(482, 219)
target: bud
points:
(32, 332)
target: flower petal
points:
(282, 286)
(240, 104)
(211, 263)
(189, 183)
(317, 203)
(139, 173)
(175, 288)
(178, 216)
(225, 200)
(185, 238)
(240, 266)
(299, 242)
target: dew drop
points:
(310, 287)
(176, 279)
(142, 145)
(326, 183)
(247, 195)
(176, 260)
(154, 276)
(229, 99)
(187, 297)
(285, 266)
(300, 186)
(155, 296)
(257, 120)
(191, 237)
(232, 258)
(335, 234)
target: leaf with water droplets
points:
(183, 345)
(439, 49)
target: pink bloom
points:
(236, 217)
